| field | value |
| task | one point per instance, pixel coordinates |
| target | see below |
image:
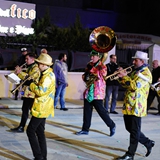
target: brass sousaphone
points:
(102, 39)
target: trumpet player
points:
(153, 93)
(28, 96)
(21, 62)
(94, 94)
(135, 103)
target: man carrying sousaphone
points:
(95, 93)
(28, 96)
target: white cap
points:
(23, 49)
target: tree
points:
(52, 37)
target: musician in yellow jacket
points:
(42, 107)
(27, 96)
(135, 103)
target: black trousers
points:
(87, 114)
(26, 106)
(36, 137)
(133, 126)
(151, 96)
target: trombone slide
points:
(18, 87)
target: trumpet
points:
(114, 76)
(19, 86)
(23, 67)
(8, 77)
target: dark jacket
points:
(21, 60)
(111, 68)
(155, 75)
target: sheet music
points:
(13, 78)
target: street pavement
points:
(63, 144)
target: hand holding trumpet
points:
(121, 72)
(19, 69)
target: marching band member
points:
(158, 87)
(94, 94)
(42, 107)
(20, 63)
(153, 93)
(28, 96)
(135, 103)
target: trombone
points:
(19, 86)
(114, 76)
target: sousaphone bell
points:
(102, 39)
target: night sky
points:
(136, 16)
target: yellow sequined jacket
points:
(44, 91)
(137, 89)
(33, 71)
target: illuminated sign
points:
(16, 18)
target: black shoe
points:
(150, 148)
(64, 109)
(125, 157)
(114, 112)
(112, 131)
(19, 129)
(82, 132)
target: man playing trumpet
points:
(21, 62)
(135, 103)
(28, 96)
